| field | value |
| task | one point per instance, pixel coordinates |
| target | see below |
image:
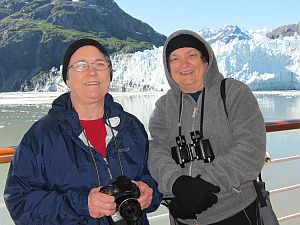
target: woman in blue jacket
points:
(84, 142)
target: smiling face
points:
(89, 86)
(188, 68)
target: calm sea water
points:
(19, 111)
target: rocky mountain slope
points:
(284, 31)
(34, 34)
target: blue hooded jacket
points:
(53, 171)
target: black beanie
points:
(75, 46)
(183, 41)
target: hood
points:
(212, 74)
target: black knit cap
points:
(73, 47)
(183, 41)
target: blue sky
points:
(166, 16)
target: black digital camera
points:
(126, 193)
(199, 149)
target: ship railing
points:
(284, 125)
(6, 155)
(268, 161)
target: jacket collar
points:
(64, 112)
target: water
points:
(18, 111)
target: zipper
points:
(195, 112)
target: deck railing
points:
(7, 153)
(283, 126)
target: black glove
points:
(177, 211)
(195, 194)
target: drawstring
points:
(180, 113)
(202, 112)
(201, 116)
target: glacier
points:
(249, 56)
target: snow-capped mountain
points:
(248, 56)
(225, 34)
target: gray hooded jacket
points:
(238, 141)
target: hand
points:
(177, 211)
(146, 194)
(100, 204)
(195, 194)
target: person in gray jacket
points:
(203, 159)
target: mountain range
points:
(34, 35)
(249, 56)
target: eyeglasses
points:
(82, 66)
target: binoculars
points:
(199, 149)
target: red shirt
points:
(96, 134)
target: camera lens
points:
(130, 209)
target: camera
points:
(199, 149)
(126, 193)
